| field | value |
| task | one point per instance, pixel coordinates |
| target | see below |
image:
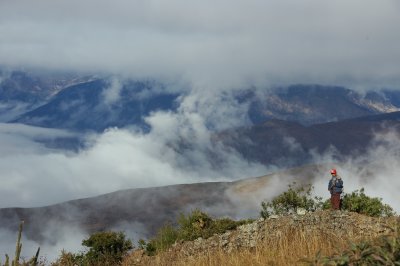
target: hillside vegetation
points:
(319, 238)
(365, 232)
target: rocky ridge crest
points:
(343, 224)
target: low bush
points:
(165, 237)
(70, 259)
(289, 201)
(385, 250)
(194, 225)
(357, 201)
(105, 248)
(189, 227)
(301, 197)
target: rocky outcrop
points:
(338, 224)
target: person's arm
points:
(339, 183)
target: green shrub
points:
(189, 227)
(357, 201)
(289, 201)
(383, 251)
(326, 205)
(166, 236)
(301, 197)
(107, 247)
(199, 224)
(70, 259)
(220, 226)
(193, 225)
(148, 247)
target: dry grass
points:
(290, 247)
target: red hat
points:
(333, 172)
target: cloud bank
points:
(219, 43)
(178, 149)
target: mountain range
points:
(286, 143)
(22, 91)
(84, 107)
(152, 207)
(289, 127)
(94, 103)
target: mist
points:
(64, 237)
(178, 149)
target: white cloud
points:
(218, 43)
(16, 139)
(11, 110)
(113, 93)
(178, 149)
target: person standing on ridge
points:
(335, 186)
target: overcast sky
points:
(209, 43)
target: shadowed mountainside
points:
(21, 92)
(313, 104)
(98, 104)
(152, 207)
(285, 143)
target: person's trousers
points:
(335, 201)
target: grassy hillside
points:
(288, 240)
(297, 230)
